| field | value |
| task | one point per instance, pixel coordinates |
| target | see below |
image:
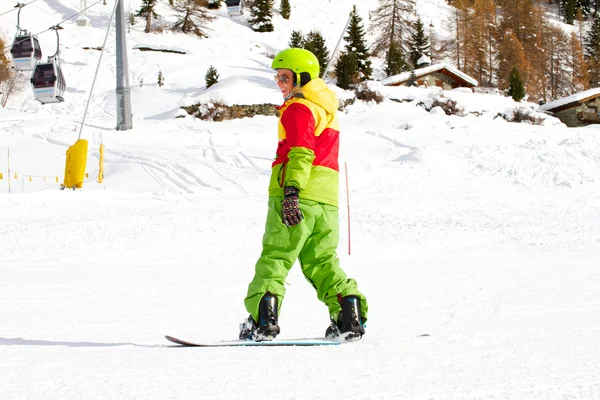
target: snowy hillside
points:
(476, 240)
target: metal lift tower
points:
(123, 91)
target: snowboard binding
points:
(266, 328)
(349, 325)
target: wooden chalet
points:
(441, 75)
(580, 109)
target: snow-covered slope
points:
(476, 240)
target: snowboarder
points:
(302, 219)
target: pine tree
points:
(211, 77)
(584, 6)
(516, 87)
(394, 60)
(346, 70)
(296, 40)
(286, 10)
(592, 52)
(568, 9)
(261, 15)
(147, 11)
(356, 44)
(315, 43)
(192, 14)
(161, 79)
(419, 43)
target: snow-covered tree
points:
(418, 43)
(261, 15)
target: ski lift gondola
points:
(25, 50)
(47, 79)
(235, 7)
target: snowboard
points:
(250, 343)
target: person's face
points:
(284, 81)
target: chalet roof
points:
(403, 77)
(574, 100)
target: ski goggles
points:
(284, 79)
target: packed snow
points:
(476, 240)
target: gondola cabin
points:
(48, 82)
(26, 52)
(235, 7)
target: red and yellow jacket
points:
(307, 155)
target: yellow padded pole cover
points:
(76, 163)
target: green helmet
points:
(302, 62)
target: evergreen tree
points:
(568, 8)
(516, 87)
(147, 11)
(161, 79)
(315, 43)
(192, 14)
(592, 52)
(394, 60)
(356, 44)
(261, 15)
(419, 43)
(296, 40)
(346, 70)
(211, 77)
(286, 10)
(585, 6)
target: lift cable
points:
(64, 20)
(19, 5)
(97, 68)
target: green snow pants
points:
(313, 242)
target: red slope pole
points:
(348, 202)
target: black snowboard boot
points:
(349, 325)
(266, 328)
